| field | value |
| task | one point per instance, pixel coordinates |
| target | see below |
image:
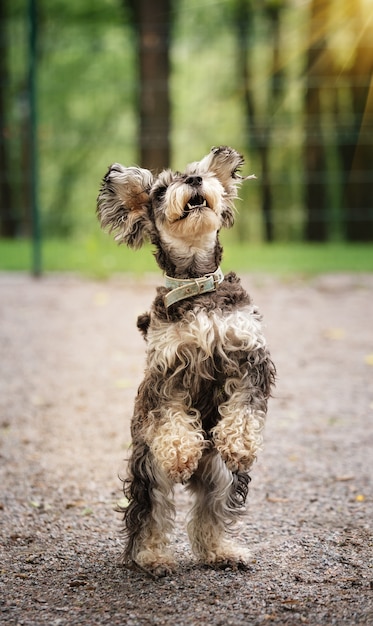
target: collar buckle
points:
(182, 288)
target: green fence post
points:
(34, 173)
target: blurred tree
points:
(339, 118)
(152, 22)
(16, 131)
(355, 123)
(259, 120)
(104, 91)
(273, 9)
(86, 95)
(318, 69)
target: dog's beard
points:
(191, 213)
(197, 224)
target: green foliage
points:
(86, 103)
(88, 115)
(87, 118)
(207, 110)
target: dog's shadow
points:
(186, 568)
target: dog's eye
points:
(159, 193)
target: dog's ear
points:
(225, 163)
(123, 204)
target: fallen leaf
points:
(360, 497)
(36, 505)
(369, 359)
(40, 506)
(290, 601)
(344, 479)
(40, 402)
(71, 505)
(87, 511)
(122, 503)
(335, 334)
(293, 457)
(101, 298)
(123, 383)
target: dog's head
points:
(176, 210)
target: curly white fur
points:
(198, 336)
(177, 442)
(189, 346)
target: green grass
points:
(297, 258)
(99, 257)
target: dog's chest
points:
(202, 336)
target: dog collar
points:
(187, 287)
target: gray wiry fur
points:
(200, 410)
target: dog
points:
(200, 409)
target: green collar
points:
(187, 287)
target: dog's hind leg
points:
(149, 514)
(219, 501)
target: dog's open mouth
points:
(196, 203)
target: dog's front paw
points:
(235, 460)
(236, 456)
(181, 464)
(236, 443)
(177, 451)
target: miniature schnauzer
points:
(200, 410)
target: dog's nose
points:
(194, 181)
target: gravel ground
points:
(71, 360)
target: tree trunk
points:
(258, 124)
(273, 14)
(357, 152)
(315, 154)
(152, 20)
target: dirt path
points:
(71, 360)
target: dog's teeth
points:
(189, 206)
(204, 203)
